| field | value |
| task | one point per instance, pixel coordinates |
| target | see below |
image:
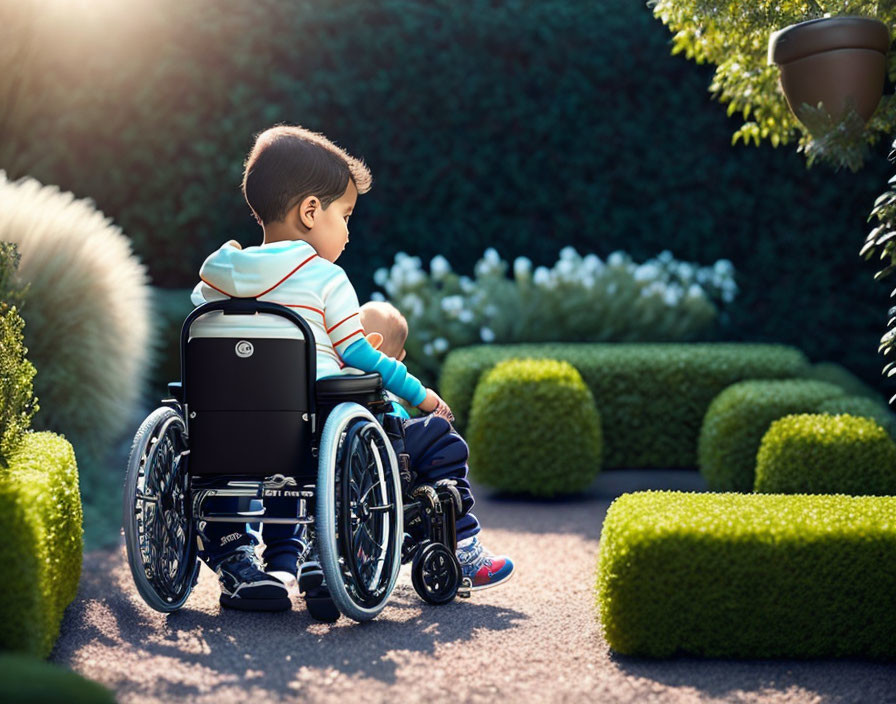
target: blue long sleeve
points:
(396, 378)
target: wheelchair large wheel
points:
(159, 535)
(359, 515)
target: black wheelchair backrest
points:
(248, 370)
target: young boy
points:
(302, 189)
(437, 451)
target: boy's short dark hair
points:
(288, 163)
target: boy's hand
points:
(443, 411)
(431, 402)
(234, 243)
(434, 404)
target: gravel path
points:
(534, 639)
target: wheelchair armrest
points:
(176, 389)
(349, 384)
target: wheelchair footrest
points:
(463, 591)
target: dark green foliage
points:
(524, 125)
(862, 407)
(171, 306)
(826, 454)
(40, 519)
(880, 243)
(28, 679)
(652, 396)
(748, 575)
(12, 292)
(735, 37)
(534, 429)
(17, 402)
(840, 375)
(738, 418)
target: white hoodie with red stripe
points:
(292, 274)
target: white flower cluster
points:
(578, 298)
(662, 276)
(405, 273)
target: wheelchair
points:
(249, 419)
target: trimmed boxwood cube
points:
(864, 407)
(534, 429)
(748, 575)
(826, 454)
(40, 521)
(739, 416)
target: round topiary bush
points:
(820, 453)
(534, 429)
(862, 407)
(88, 328)
(737, 419)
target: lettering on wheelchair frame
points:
(274, 486)
(244, 349)
(287, 492)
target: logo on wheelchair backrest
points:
(244, 349)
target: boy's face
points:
(328, 229)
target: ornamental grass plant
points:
(88, 330)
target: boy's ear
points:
(375, 340)
(307, 210)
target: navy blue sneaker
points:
(246, 587)
(313, 588)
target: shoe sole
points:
(495, 584)
(277, 604)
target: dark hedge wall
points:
(525, 125)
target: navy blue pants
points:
(436, 450)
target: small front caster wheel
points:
(436, 574)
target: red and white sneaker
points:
(480, 566)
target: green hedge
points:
(26, 679)
(811, 453)
(652, 397)
(748, 575)
(40, 519)
(738, 418)
(445, 101)
(863, 407)
(534, 429)
(840, 375)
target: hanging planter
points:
(837, 61)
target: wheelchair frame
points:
(165, 565)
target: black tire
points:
(436, 574)
(359, 512)
(158, 527)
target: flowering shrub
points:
(579, 299)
